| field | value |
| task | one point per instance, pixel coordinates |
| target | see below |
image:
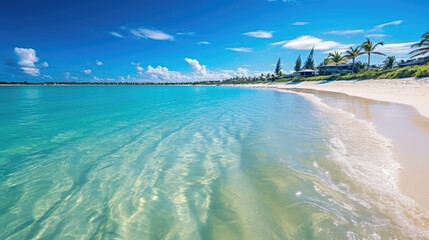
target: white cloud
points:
(243, 72)
(299, 23)
(151, 34)
(87, 71)
(381, 26)
(346, 32)
(200, 73)
(98, 63)
(240, 49)
(44, 64)
(198, 68)
(186, 33)
(68, 76)
(103, 79)
(260, 34)
(26, 60)
(139, 69)
(122, 78)
(163, 73)
(359, 31)
(280, 43)
(307, 42)
(396, 48)
(376, 35)
(203, 43)
(116, 34)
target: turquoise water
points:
(140, 162)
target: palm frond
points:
(420, 51)
(367, 45)
(379, 53)
(377, 44)
(421, 43)
(418, 54)
(426, 49)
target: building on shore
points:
(333, 68)
(414, 61)
(306, 73)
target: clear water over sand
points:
(408, 130)
(137, 162)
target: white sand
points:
(409, 91)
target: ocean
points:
(194, 162)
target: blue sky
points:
(114, 40)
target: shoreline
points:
(408, 91)
(401, 121)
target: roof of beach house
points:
(308, 70)
(335, 65)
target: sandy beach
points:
(409, 91)
(399, 110)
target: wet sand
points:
(408, 130)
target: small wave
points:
(367, 159)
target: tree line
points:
(368, 48)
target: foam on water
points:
(366, 157)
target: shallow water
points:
(140, 162)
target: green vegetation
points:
(336, 58)
(417, 71)
(369, 47)
(278, 69)
(298, 64)
(309, 63)
(389, 63)
(353, 53)
(404, 72)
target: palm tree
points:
(360, 66)
(353, 53)
(335, 58)
(423, 46)
(389, 62)
(369, 48)
(278, 68)
(325, 61)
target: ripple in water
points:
(136, 162)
